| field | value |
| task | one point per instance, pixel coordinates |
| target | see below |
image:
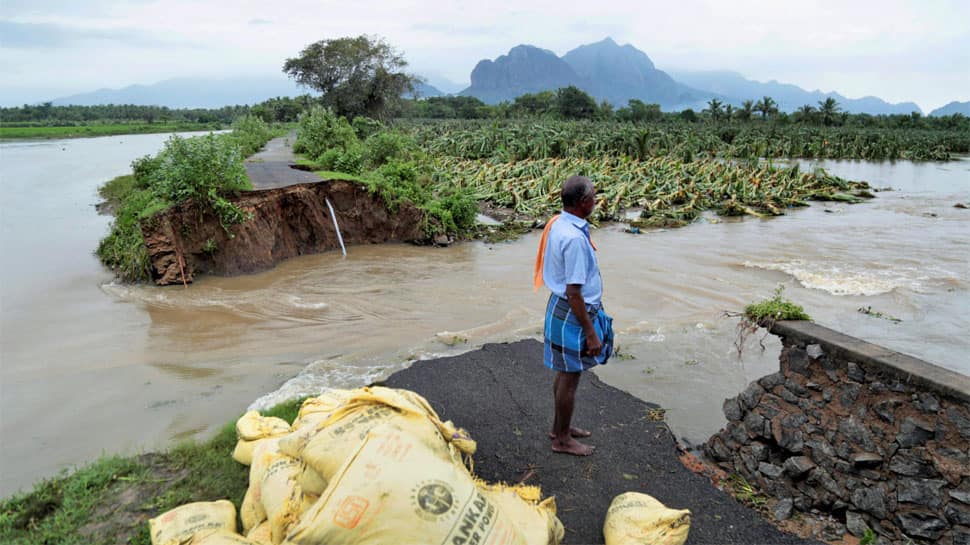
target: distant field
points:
(103, 130)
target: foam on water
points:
(846, 279)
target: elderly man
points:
(578, 333)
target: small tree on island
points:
(357, 76)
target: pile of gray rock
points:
(841, 431)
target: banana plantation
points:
(659, 174)
(518, 140)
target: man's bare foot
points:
(574, 432)
(572, 446)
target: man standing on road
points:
(578, 333)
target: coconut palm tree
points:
(714, 108)
(828, 110)
(805, 114)
(747, 107)
(767, 106)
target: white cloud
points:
(898, 50)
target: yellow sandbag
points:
(252, 426)
(396, 490)
(220, 537)
(272, 481)
(310, 481)
(324, 403)
(261, 534)
(326, 447)
(178, 525)
(635, 518)
(535, 519)
(243, 453)
(251, 511)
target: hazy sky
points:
(897, 50)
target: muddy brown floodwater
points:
(89, 366)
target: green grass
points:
(110, 500)
(115, 191)
(334, 175)
(776, 308)
(104, 130)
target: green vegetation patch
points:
(111, 500)
(774, 309)
(389, 163)
(643, 138)
(204, 169)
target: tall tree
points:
(574, 103)
(714, 109)
(805, 114)
(828, 111)
(357, 76)
(766, 106)
(747, 108)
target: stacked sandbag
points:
(325, 447)
(252, 429)
(634, 519)
(366, 466)
(395, 488)
(199, 523)
(274, 491)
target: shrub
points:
(250, 133)
(386, 146)
(365, 127)
(191, 167)
(776, 308)
(321, 130)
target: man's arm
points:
(574, 295)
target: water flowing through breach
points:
(117, 368)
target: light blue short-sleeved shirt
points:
(570, 259)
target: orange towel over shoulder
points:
(537, 281)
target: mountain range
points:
(616, 74)
(605, 69)
(191, 93)
(789, 97)
(952, 108)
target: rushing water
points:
(89, 366)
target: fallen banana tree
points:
(669, 191)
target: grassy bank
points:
(207, 169)
(87, 131)
(111, 500)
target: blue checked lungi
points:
(564, 339)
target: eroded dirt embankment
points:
(285, 222)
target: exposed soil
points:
(128, 506)
(286, 222)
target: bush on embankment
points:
(110, 500)
(207, 169)
(389, 163)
